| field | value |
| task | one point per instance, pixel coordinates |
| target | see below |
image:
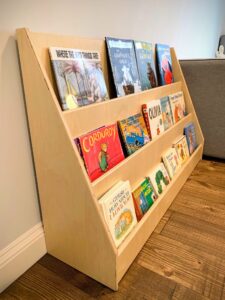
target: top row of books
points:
(80, 79)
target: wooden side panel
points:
(74, 227)
(135, 241)
(178, 74)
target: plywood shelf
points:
(75, 229)
(85, 119)
(146, 157)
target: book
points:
(181, 148)
(177, 104)
(145, 64)
(159, 178)
(79, 77)
(118, 210)
(143, 196)
(123, 65)
(171, 161)
(101, 150)
(167, 116)
(164, 63)
(190, 134)
(134, 133)
(152, 113)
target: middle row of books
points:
(105, 147)
(123, 208)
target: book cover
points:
(177, 104)
(143, 196)
(164, 63)
(101, 150)
(145, 64)
(96, 90)
(124, 66)
(79, 77)
(153, 118)
(167, 116)
(171, 161)
(159, 178)
(181, 148)
(134, 133)
(190, 134)
(118, 209)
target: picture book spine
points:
(123, 139)
(111, 66)
(146, 118)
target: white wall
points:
(192, 27)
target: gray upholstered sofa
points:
(206, 82)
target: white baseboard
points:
(21, 254)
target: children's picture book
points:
(79, 77)
(177, 104)
(164, 63)
(146, 65)
(190, 134)
(123, 65)
(171, 161)
(101, 150)
(118, 209)
(152, 113)
(181, 148)
(167, 116)
(134, 133)
(143, 196)
(159, 178)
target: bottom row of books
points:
(123, 208)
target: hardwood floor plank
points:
(182, 266)
(72, 276)
(40, 283)
(184, 293)
(141, 283)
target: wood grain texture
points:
(182, 260)
(68, 200)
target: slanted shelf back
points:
(42, 42)
(75, 229)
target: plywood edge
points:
(180, 77)
(74, 226)
(137, 238)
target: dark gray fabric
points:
(206, 83)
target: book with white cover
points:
(181, 148)
(118, 209)
(159, 178)
(177, 104)
(171, 161)
(153, 118)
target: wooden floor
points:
(183, 259)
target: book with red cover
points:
(101, 150)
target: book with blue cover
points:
(146, 65)
(167, 116)
(124, 66)
(134, 133)
(164, 63)
(189, 131)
